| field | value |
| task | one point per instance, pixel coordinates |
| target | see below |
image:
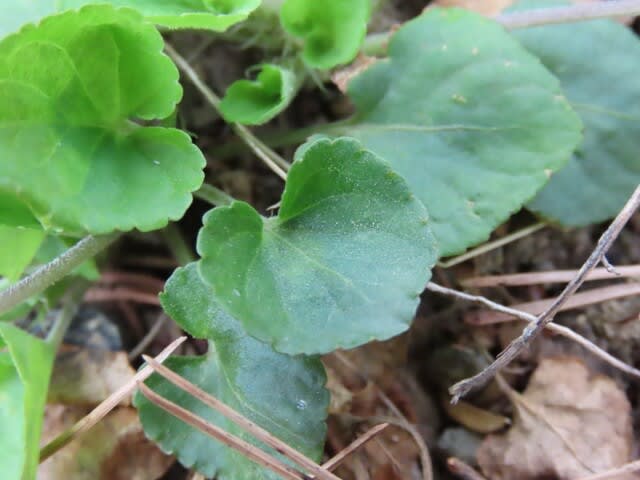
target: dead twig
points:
(555, 276)
(527, 317)
(251, 452)
(106, 406)
(244, 423)
(534, 328)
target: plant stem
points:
(48, 274)
(568, 14)
(176, 243)
(70, 305)
(276, 163)
(213, 195)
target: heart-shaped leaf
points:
(25, 369)
(598, 64)
(332, 29)
(472, 120)
(69, 146)
(284, 395)
(216, 15)
(342, 264)
(255, 102)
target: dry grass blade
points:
(534, 328)
(106, 406)
(337, 459)
(247, 425)
(555, 276)
(589, 297)
(251, 452)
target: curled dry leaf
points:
(568, 423)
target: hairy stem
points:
(48, 274)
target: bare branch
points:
(558, 329)
(534, 328)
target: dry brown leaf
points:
(568, 423)
(115, 449)
(83, 376)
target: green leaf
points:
(25, 370)
(216, 15)
(342, 264)
(285, 395)
(332, 30)
(18, 246)
(471, 120)
(598, 64)
(256, 102)
(70, 90)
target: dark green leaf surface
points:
(285, 395)
(598, 64)
(25, 368)
(342, 264)
(70, 89)
(256, 102)
(472, 120)
(332, 30)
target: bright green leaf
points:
(598, 64)
(471, 120)
(71, 89)
(285, 395)
(255, 102)
(20, 236)
(332, 30)
(342, 264)
(217, 15)
(18, 245)
(25, 368)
